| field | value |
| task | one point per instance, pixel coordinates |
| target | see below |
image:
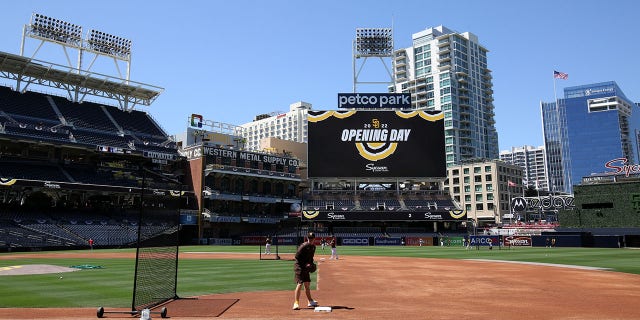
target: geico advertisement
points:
(376, 144)
(352, 241)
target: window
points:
(476, 169)
(479, 197)
(487, 168)
(479, 188)
(487, 177)
(479, 206)
(467, 189)
(467, 198)
(489, 196)
(466, 170)
(467, 207)
(466, 179)
(489, 187)
(477, 178)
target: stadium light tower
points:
(105, 44)
(69, 35)
(372, 43)
(79, 81)
(47, 29)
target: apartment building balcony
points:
(460, 72)
(444, 42)
(444, 66)
(444, 57)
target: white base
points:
(322, 309)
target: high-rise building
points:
(592, 125)
(485, 189)
(447, 71)
(531, 160)
(290, 126)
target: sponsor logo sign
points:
(376, 144)
(375, 100)
(323, 215)
(188, 219)
(550, 202)
(253, 240)
(622, 166)
(588, 92)
(159, 155)
(388, 241)
(225, 219)
(348, 241)
(196, 120)
(214, 152)
(517, 241)
(484, 240)
(220, 241)
(415, 241)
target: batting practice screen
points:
(156, 266)
(376, 144)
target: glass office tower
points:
(590, 126)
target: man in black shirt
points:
(303, 266)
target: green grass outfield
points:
(112, 285)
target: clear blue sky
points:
(232, 60)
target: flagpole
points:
(557, 109)
(510, 210)
(555, 96)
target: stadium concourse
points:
(358, 287)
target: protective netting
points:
(156, 260)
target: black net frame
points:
(156, 267)
(284, 241)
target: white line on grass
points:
(542, 264)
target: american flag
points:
(560, 75)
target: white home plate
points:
(322, 309)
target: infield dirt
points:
(415, 288)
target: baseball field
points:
(230, 282)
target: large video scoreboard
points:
(376, 144)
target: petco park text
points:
(374, 100)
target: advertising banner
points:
(415, 241)
(188, 219)
(382, 241)
(253, 240)
(455, 241)
(355, 241)
(517, 241)
(435, 215)
(484, 240)
(376, 144)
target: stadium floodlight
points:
(374, 42)
(105, 43)
(55, 30)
